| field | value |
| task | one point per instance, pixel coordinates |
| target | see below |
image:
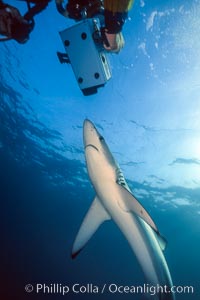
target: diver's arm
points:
(116, 12)
(36, 9)
(61, 9)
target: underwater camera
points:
(83, 44)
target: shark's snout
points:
(87, 124)
(90, 134)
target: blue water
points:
(149, 115)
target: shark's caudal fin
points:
(93, 219)
(130, 204)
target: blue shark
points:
(114, 201)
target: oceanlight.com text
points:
(76, 288)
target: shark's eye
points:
(101, 138)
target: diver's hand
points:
(115, 41)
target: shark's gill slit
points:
(90, 145)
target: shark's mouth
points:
(90, 145)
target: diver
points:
(15, 26)
(115, 13)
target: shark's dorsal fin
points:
(95, 216)
(133, 205)
(130, 204)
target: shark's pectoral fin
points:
(130, 204)
(95, 216)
